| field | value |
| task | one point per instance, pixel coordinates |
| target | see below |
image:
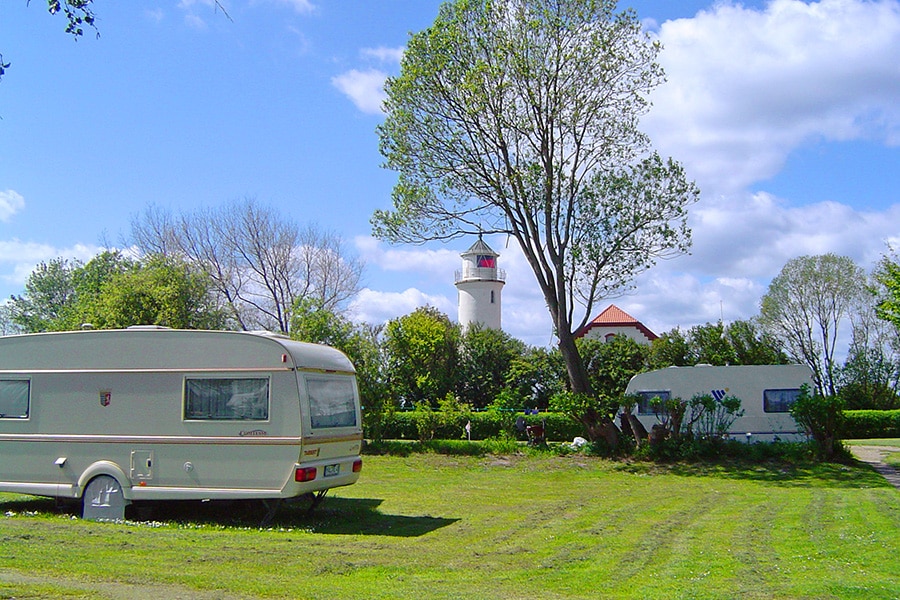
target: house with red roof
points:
(615, 321)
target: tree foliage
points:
(611, 364)
(821, 417)
(534, 378)
(156, 291)
(737, 343)
(113, 291)
(422, 356)
(261, 263)
(49, 294)
(887, 290)
(521, 117)
(869, 377)
(805, 306)
(485, 358)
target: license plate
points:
(332, 470)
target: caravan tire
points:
(103, 500)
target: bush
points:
(821, 417)
(691, 449)
(484, 425)
(866, 424)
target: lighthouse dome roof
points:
(480, 248)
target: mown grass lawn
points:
(433, 526)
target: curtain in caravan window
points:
(14, 399)
(779, 400)
(332, 402)
(226, 399)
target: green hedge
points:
(859, 424)
(485, 425)
(867, 424)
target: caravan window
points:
(226, 399)
(644, 407)
(14, 399)
(779, 400)
(332, 402)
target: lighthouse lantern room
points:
(479, 284)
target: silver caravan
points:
(766, 393)
(150, 413)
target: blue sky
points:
(786, 113)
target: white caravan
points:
(151, 413)
(766, 393)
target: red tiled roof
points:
(614, 316)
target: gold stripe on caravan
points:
(249, 440)
(351, 437)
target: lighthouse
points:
(479, 284)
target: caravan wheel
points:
(103, 500)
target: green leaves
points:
(112, 291)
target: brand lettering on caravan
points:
(253, 432)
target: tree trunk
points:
(598, 425)
(578, 377)
(637, 428)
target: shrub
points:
(865, 424)
(821, 417)
(484, 425)
(712, 417)
(692, 449)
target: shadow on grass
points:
(824, 475)
(343, 516)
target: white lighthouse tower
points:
(479, 284)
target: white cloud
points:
(156, 15)
(299, 6)
(20, 258)
(372, 306)
(428, 262)
(364, 88)
(195, 22)
(383, 54)
(11, 202)
(746, 86)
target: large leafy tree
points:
(155, 291)
(48, 296)
(805, 306)
(422, 350)
(485, 358)
(887, 289)
(611, 364)
(521, 117)
(737, 343)
(112, 291)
